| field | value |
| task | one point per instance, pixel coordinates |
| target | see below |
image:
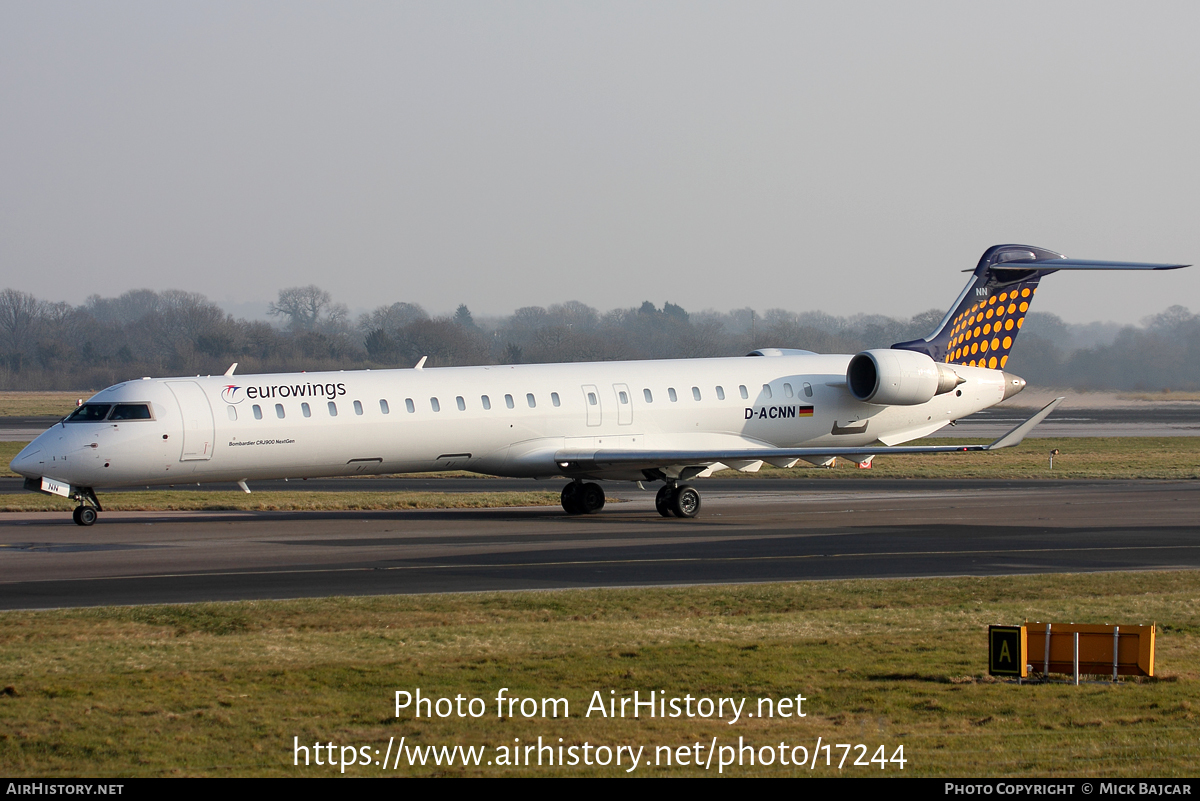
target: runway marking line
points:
(607, 562)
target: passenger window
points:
(649, 396)
(807, 390)
(508, 401)
(554, 399)
(592, 398)
(257, 412)
(279, 410)
(695, 393)
(787, 390)
(332, 409)
(358, 407)
(720, 393)
(486, 401)
(232, 412)
(462, 404)
(671, 394)
(306, 410)
(408, 404)
(433, 403)
(530, 400)
(767, 390)
(624, 396)
(744, 393)
(383, 407)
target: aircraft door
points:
(198, 427)
(591, 400)
(624, 404)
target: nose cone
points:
(27, 462)
(1012, 385)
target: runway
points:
(788, 532)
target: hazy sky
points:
(837, 156)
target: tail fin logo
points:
(982, 334)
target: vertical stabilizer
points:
(981, 327)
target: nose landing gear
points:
(88, 510)
(582, 499)
(84, 515)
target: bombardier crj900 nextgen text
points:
(667, 421)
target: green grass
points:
(32, 404)
(199, 500)
(222, 689)
(1078, 458)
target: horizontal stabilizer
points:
(574, 461)
(1080, 264)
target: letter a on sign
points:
(1007, 651)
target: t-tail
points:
(982, 325)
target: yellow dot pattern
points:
(983, 331)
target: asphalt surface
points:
(789, 531)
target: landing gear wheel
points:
(75, 515)
(685, 501)
(84, 515)
(572, 498)
(662, 501)
(591, 498)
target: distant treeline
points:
(47, 345)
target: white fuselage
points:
(230, 428)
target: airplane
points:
(670, 421)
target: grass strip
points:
(186, 500)
(222, 689)
(1176, 458)
(34, 404)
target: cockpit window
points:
(90, 413)
(131, 411)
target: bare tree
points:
(309, 308)
(20, 315)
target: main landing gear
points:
(680, 500)
(582, 499)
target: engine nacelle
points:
(898, 377)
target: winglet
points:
(1019, 433)
(421, 364)
(232, 367)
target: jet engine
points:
(898, 377)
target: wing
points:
(588, 462)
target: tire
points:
(591, 498)
(685, 501)
(662, 501)
(75, 515)
(87, 515)
(572, 499)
